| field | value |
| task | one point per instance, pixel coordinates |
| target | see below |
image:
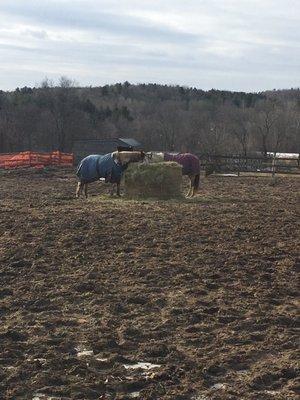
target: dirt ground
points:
(203, 292)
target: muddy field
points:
(116, 299)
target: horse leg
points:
(189, 194)
(79, 189)
(86, 190)
(112, 190)
(196, 181)
(118, 189)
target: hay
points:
(159, 180)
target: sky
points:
(241, 45)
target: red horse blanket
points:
(190, 163)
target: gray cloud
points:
(239, 45)
(89, 18)
(38, 34)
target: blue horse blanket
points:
(96, 166)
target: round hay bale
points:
(158, 180)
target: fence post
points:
(273, 167)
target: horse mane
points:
(129, 156)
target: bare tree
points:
(169, 124)
(265, 122)
(241, 125)
(62, 102)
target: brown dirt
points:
(205, 288)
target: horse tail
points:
(78, 169)
(196, 167)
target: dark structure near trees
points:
(83, 148)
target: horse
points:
(190, 166)
(109, 167)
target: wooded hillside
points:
(162, 117)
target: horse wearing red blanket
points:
(190, 166)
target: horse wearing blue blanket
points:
(109, 167)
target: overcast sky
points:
(248, 45)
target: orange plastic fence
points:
(34, 159)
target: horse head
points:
(148, 156)
(127, 157)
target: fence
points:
(35, 159)
(237, 164)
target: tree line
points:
(175, 118)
